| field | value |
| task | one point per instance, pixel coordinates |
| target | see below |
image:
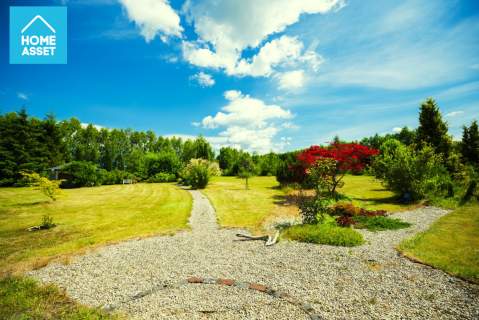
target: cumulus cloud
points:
(226, 28)
(154, 17)
(247, 123)
(396, 129)
(292, 80)
(96, 126)
(21, 95)
(203, 79)
(454, 113)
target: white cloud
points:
(96, 126)
(271, 54)
(232, 94)
(247, 123)
(153, 17)
(203, 79)
(226, 28)
(454, 113)
(21, 95)
(292, 80)
(396, 129)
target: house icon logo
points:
(38, 35)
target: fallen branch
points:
(269, 240)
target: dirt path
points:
(148, 278)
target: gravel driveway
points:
(147, 278)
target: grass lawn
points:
(368, 192)
(237, 207)
(451, 244)
(22, 298)
(85, 217)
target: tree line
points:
(89, 155)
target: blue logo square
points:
(38, 35)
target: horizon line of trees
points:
(36, 145)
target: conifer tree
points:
(470, 144)
(432, 129)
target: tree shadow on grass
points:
(379, 200)
(31, 204)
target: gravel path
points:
(147, 278)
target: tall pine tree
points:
(470, 144)
(432, 129)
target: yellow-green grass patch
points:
(368, 192)
(451, 244)
(23, 298)
(85, 218)
(240, 208)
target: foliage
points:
(81, 174)
(162, 177)
(379, 223)
(166, 162)
(48, 187)
(198, 172)
(432, 130)
(28, 144)
(470, 144)
(322, 175)
(47, 222)
(348, 156)
(449, 244)
(324, 234)
(31, 144)
(347, 209)
(313, 210)
(327, 166)
(246, 168)
(406, 136)
(289, 170)
(197, 149)
(114, 176)
(23, 298)
(412, 174)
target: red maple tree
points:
(349, 157)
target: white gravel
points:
(146, 278)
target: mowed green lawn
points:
(237, 207)
(451, 244)
(240, 208)
(368, 192)
(85, 217)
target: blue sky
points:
(260, 75)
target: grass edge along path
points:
(237, 207)
(86, 218)
(25, 298)
(450, 244)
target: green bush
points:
(412, 174)
(81, 174)
(114, 176)
(162, 177)
(198, 172)
(166, 162)
(379, 223)
(324, 234)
